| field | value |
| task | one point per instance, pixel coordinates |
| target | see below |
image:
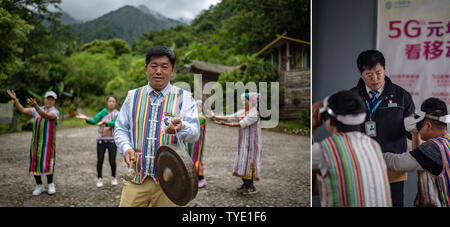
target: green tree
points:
(113, 47)
(89, 73)
(13, 31)
(30, 50)
(254, 70)
(135, 77)
(98, 47)
(120, 47)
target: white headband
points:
(349, 119)
(444, 119)
(411, 122)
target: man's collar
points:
(380, 91)
(387, 89)
(164, 91)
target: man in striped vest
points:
(431, 158)
(141, 127)
(348, 166)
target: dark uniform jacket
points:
(396, 104)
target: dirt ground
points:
(285, 174)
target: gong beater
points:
(176, 174)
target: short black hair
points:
(344, 103)
(160, 51)
(369, 59)
(111, 96)
(435, 107)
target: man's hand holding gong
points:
(174, 125)
(130, 157)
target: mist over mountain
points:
(125, 23)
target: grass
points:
(75, 122)
(292, 127)
(72, 123)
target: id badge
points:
(392, 104)
(371, 128)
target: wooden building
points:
(287, 54)
(292, 59)
(210, 72)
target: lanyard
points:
(374, 108)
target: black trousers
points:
(397, 193)
(101, 149)
(38, 179)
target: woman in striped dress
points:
(247, 161)
(196, 150)
(42, 148)
(105, 119)
(348, 166)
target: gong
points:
(176, 174)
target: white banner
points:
(414, 36)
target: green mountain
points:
(124, 23)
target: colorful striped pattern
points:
(247, 161)
(435, 190)
(156, 93)
(105, 132)
(195, 150)
(357, 174)
(42, 149)
(147, 121)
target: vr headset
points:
(416, 122)
(349, 119)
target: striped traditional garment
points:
(42, 149)
(357, 173)
(146, 130)
(247, 161)
(195, 150)
(435, 190)
(105, 132)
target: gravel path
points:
(285, 174)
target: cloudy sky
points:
(90, 9)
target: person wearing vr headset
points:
(430, 158)
(387, 105)
(348, 166)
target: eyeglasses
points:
(372, 75)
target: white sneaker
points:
(39, 189)
(51, 189)
(99, 182)
(114, 181)
(201, 183)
